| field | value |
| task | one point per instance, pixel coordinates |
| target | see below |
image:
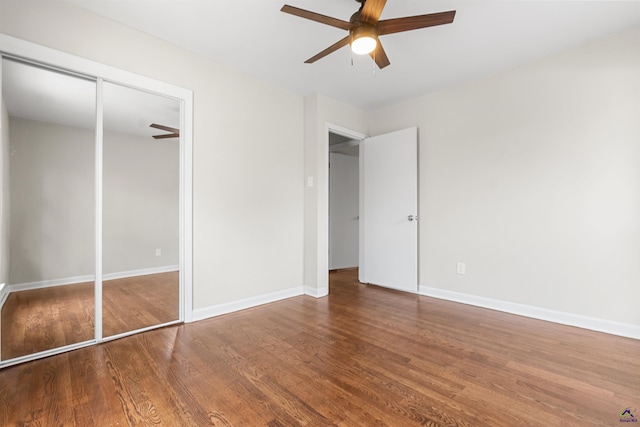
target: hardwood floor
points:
(42, 319)
(363, 356)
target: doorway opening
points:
(343, 202)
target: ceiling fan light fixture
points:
(364, 40)
(365, 26)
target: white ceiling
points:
(487, 36)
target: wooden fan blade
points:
(169, 135)
(372, 10)
(380, 56)
(337, 45)
(167, 128)
(175, 133)
(397, 25)
(323, 19)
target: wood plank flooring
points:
(363, 356)
(42, 319)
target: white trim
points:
(90, 278)
(137, 331)
(99, 147)
(186, 207)
(45, 353)
(316, 292)
(343, 131)
(4, 294)
(230, 307)
(595, 324)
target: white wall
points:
(343, 211)
(248, 158)
(4, 189)
(319, 111)
(532, 178)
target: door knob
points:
(412, 217)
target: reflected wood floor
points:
(42, 319)
(138, 302)
(363, 356)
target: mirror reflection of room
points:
(48, 199)
(140, 243)
(50, 192)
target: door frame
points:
(11, 46)
(322, 265)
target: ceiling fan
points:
(175, 133)
(365, 28)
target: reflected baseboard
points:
(141, 272)
(89, 278)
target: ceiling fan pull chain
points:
(351, 50)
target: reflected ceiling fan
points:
(365, 28)
(175, 133)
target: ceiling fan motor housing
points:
(363, 30)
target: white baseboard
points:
(230, 307)
(89, 278)
(316, 292)
(601, 325)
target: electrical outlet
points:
(158, 252)
(461, 268)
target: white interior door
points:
(388, 210)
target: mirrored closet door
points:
(140, 194)
(95, 204)
(48, 209)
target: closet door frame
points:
(17, 48)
